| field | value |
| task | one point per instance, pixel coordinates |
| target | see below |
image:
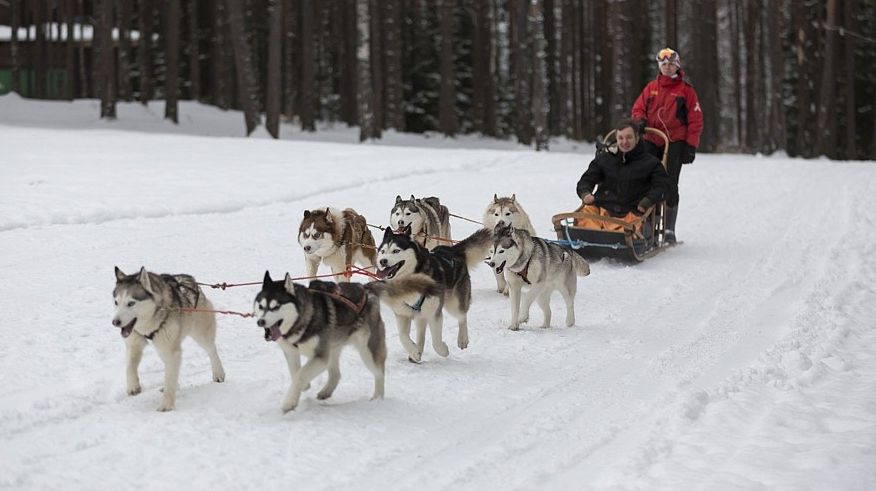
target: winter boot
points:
(671, 216)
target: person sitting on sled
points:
(629, 180)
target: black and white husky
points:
(540, 266)
(399, 256)
(320, 319)
(152, 307)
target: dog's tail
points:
(475, 247)
(582, 267)
(417, 283)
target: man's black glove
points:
(688, 154)
(639, 127)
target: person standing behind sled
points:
(670, 104)
(630, 180)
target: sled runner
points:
(593, 233)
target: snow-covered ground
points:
(744, 359)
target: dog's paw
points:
(462, 342)
(165, 407)
(288, 407)
(219, 377)
(134, 390)
(546, 326)
(442, 349)
(514, 327)
(416, 358)
(323, 395)
(505, 291)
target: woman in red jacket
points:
(670, 104)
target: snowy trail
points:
(679, 373)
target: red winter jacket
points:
(671, 105)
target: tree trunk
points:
(803, 54)
(367, 129)
(243, 62)
(484, 92)
(447, 119)
(124, 21)
(824, 136)
(194, 49)
(40, 56)
(306, 100)
(275, 77)
(13, 46)
(171, 60)
(539, 113)
(376, 66)
(106, 67)
(777, 138)
(707, 72)
(291, 58)
(392, 57)
(671, 24)
(144, 50)
(349, 63)
(555, 107)
(522, 71)
(851, 124)
(69, 49)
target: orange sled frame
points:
(637, 240)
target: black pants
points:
(673, 165)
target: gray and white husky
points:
(506, 211)
(399, 256)
(540, 266)
(426, 217)
(320, 319)
(149, 308)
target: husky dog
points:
(339, 238)
(148, 308)
(427, 218)
(506, 211)
(320, 319)
(540, 265)
(399, 255)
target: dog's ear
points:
(495, 198)
(288, 284)
(119, 275)
(501, 229)
(514, 197)
(328, 216)
(412, 198)
(387, 233)
(267, 281)
(143, 278)
(397, 199)
(306, 213)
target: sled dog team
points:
(420, 276)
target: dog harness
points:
(418, 305)
(524, 272)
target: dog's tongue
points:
(399, 230)
(381, 273)
(275, 333)
(126, 330)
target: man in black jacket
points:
(630, 179)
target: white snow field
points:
(743, 359)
